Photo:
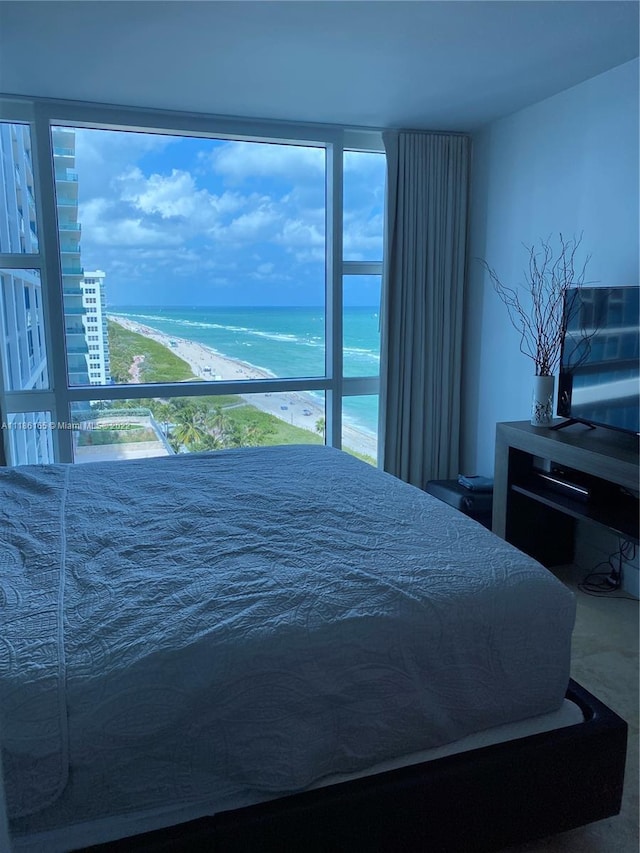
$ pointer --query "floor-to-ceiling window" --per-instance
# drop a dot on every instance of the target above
(363, 213)
(237, 290)
(24, 371)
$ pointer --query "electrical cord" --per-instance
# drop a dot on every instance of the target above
(607, 584)
(628, 549)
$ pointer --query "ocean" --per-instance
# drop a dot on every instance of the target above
(280, 340)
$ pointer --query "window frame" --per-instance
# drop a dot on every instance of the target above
(42, 115)
(354, 386)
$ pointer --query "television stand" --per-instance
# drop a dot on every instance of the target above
(539, 518)
(571, 422)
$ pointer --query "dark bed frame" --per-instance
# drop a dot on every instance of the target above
(481, 800)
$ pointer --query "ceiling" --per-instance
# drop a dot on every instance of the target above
(452, 65)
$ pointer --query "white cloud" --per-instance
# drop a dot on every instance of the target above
(256, 225)
(103, 227)
(269, 271)
(167, 195)
(180, 221)
(363, 236)
(228, 202)
(173, 256)
(296, 232)
(310, 256)
(237, 161)
(102, 155)
(103, 146)
(364, 202)
(176, 197)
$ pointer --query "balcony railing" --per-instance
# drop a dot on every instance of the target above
(72, 271)
(64, 152)
(67, 175)
(69, 226)
(66, 201)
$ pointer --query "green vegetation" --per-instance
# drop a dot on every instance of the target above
(198, 423)
(361, 456)
(162, 409)
(204, 424)
(272, 429)
(125, 434)
(201, 423)
(158, 364)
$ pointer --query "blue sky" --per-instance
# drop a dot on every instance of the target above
(192, 221)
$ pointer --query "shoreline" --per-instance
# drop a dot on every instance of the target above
(298, 408)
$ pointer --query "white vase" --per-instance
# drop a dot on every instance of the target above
(542, 403)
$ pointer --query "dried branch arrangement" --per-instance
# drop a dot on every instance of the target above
(539, 318)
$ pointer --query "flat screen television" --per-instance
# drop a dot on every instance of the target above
(599, 382)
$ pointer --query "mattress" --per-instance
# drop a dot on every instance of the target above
(232, 626)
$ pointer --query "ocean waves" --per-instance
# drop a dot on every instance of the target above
(284, 326)
(284, 342)
(180, 323)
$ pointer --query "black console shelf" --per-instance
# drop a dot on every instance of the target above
(540, 519)
(619, 518)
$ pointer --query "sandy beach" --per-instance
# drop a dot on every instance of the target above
(295, 407)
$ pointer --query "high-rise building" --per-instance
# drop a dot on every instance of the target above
(95, 324)
(23, 359)
(66, 178)
(18, 234)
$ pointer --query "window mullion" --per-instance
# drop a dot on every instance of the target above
(21, 262)
(362, 267)
(358, 385)
(334, 296)
(199, 389)
(52, 298)
(29, 401)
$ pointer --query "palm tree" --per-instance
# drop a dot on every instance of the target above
(190, 429)
(252, 435)
(321, 426)
(217, 421)
(198, 427)
(210, 442)
(164, 413)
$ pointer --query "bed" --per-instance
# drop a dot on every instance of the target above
(282, 648)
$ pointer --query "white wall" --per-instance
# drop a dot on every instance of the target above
(569, 164)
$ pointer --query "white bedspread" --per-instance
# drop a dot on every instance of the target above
(250, 620)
